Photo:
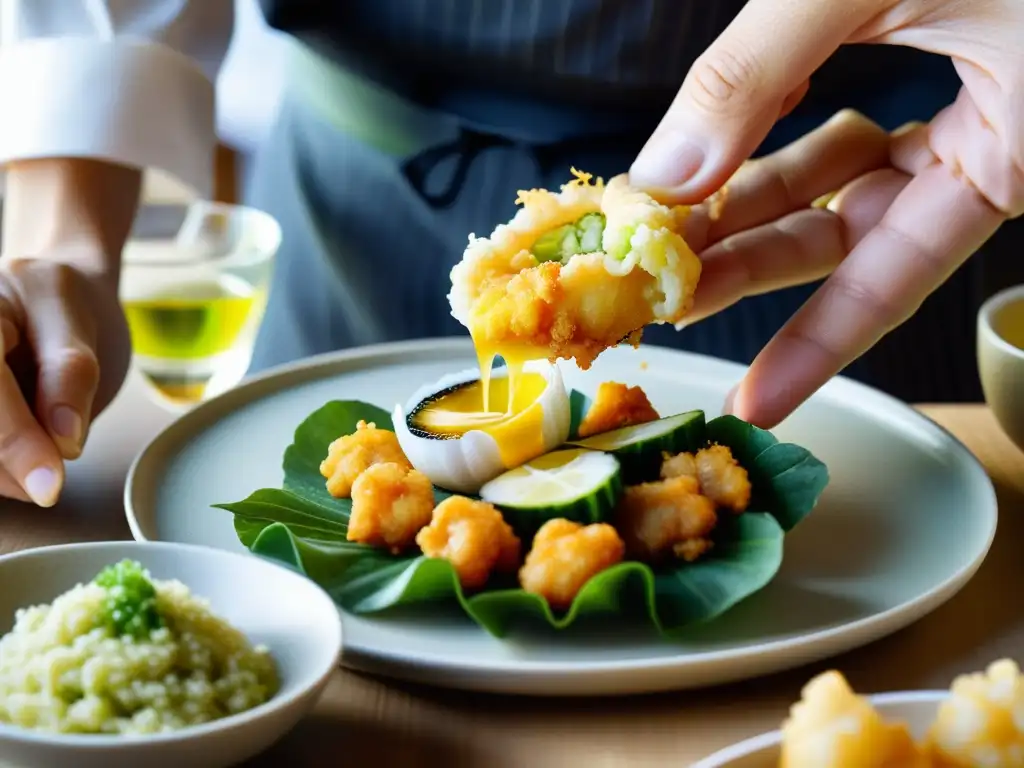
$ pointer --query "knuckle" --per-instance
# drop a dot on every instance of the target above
(74, 364)
(723, 78)
(876, 304)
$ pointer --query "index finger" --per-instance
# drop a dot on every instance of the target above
(932, 227)
(27, 453)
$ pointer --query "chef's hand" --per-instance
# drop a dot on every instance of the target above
(59, 326)
(910, 207)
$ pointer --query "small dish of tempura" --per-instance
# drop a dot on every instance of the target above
(979, 721)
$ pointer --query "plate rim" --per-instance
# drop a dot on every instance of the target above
(838, 638)
(747, 747)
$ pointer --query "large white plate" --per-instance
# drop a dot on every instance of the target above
(906, 521)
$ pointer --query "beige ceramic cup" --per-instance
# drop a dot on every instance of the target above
(1001, 359)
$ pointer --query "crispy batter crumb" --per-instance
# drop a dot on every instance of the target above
(663, 516)
(390, 504)
(565, 556)
(351, 455)
(692, 550)
(616, 406)
(473, 537)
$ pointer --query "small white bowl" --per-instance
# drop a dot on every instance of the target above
(915, 708)
(271, 604)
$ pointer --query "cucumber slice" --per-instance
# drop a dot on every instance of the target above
(574, 483)
(639, 448)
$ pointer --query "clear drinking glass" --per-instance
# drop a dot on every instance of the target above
(194, 284)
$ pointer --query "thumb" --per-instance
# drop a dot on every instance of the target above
(752, 74)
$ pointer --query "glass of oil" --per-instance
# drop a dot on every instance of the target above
(194, 283)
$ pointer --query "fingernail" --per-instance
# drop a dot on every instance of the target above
(42, 485)
(730, 400)
(67, 423)
(668, 160)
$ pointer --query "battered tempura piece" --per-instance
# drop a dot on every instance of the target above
(982, 721)
(390, 504)
(576, 272)
(473, 537)
(666, 516)
(351, 455)
(832, 727)
(564, 557)
(616, 406)
(721, 477)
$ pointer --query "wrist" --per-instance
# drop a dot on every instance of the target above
(73, 211)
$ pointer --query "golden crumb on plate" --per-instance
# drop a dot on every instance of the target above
(473, 537)
(832, 727)
(351, 455)
(666, 516)
(565, 555)
(390, 504)
(616, 406)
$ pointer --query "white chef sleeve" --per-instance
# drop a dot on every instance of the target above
(126, 81)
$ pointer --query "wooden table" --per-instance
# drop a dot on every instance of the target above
(363, 722)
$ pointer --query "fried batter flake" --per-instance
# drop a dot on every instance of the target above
(720, 476)
(664, 517)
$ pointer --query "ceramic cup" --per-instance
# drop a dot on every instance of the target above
(1001, 359)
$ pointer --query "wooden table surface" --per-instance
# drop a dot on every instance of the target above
(361, 721)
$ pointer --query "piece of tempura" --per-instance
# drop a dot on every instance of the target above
(720, 476)
(832, 727)
(565, 555)
(576, 272)
(666, 517)
(616, 406)
(982, 721)
(351, 455)
(390, 504)
(472, 536)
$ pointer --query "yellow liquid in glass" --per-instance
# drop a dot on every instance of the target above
(178, 333)
(1009, 324)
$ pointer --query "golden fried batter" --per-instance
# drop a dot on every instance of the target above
(832, 727)
(681, 465)
(473, 537)
(616, 406)
(350, 455)
(390, 504)
(720, 476)
(565, 556)
(666, 516)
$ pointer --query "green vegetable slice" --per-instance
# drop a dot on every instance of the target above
(639, 448)
(575, 484)
(303, 527)
(564, 242)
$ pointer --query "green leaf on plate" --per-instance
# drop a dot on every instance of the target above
(303, 527)
(579, 404)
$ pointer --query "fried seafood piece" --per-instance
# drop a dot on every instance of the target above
(832, 727)
(390, 504)
(351, 455)
(565, 555)
(982, 721)
(576, 272)
(616, 406)
(720, 476)
(666, 516)
(472, 536)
